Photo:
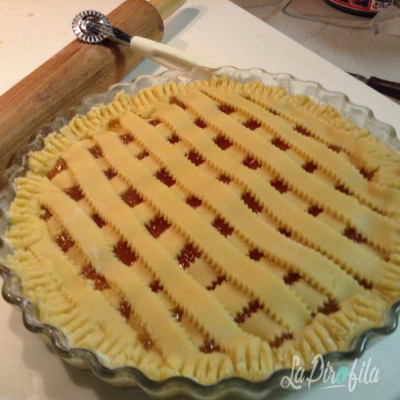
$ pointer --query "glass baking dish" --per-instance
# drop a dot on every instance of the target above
(130, 376)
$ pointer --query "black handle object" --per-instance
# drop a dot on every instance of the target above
(388, 88)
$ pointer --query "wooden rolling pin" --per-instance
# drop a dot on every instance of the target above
(76, 71)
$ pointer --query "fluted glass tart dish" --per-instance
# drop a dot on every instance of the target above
(190, 233)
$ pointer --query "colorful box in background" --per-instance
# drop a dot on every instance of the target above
(367, 8)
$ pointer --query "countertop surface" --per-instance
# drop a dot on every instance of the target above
(343, 39)
(28, 368)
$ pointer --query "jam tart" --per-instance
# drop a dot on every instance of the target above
(211, 230)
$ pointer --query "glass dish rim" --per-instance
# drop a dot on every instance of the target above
(131, 376)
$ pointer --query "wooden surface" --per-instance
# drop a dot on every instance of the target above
(78, 70)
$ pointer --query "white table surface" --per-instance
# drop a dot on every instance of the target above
(217, 30)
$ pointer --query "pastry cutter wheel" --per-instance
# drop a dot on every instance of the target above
(93, 27)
